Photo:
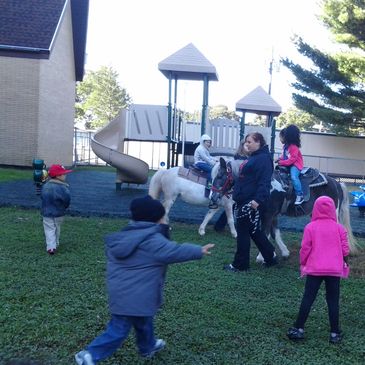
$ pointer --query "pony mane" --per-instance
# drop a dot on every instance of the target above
(235, 164)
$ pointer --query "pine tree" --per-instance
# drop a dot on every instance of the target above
(332, 90)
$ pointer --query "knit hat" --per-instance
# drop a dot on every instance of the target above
(57, 170)
(146, 209)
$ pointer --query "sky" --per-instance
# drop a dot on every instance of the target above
(239, 37)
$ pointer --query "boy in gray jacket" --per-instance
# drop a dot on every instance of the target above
(56, 199)
(137, 260)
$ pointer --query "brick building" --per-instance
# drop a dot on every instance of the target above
(42, 54)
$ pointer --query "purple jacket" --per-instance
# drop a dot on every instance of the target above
(324, 242)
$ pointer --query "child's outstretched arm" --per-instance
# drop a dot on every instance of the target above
(206, 248)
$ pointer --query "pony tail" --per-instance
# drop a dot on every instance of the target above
(155, 188)
(344, 218)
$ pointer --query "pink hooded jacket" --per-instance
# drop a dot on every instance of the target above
(295, 158)
(324, 242)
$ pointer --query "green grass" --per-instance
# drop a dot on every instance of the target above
(52, 306)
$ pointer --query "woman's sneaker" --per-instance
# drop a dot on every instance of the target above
(84, 358)
(295, 333)
(335, 337)
(159, 345)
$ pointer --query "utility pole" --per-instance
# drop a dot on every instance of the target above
(270, 69)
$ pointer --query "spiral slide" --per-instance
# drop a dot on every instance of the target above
(108, 143)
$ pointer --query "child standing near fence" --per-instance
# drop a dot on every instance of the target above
(323, 257)
(292, 158)
(56, 199)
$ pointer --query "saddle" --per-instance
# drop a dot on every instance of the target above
(309, 177)
(196, 175)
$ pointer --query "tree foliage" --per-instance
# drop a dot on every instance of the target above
(221, 111)
(304, 121)
(215, 112)
(332, 90)
(99, 98)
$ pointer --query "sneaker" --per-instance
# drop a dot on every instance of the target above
(159, 345)
(273, 262)
(335, 338)
(51, 251)
(299, 200)
(84, 358)
(295, 333)
(231, 268)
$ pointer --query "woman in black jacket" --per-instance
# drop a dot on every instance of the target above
(251, 192)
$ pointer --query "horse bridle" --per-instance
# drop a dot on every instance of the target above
(225, 188)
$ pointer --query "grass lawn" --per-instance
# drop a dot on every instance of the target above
(52, 306)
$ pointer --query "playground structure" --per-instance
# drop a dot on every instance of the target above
(142, 127)
(165, 124)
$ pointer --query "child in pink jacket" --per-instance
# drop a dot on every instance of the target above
(323, 257)
(292, 158)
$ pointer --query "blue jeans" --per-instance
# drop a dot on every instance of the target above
(294, 175)
(205, 167)
(117, 331)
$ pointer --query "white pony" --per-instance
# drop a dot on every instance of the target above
(172, 186)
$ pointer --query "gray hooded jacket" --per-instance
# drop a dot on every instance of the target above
(137, 259)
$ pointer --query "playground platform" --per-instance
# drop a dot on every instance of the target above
(93, 194)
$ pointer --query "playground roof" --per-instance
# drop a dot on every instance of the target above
(188, 64)
(29, 28)
(258, 101)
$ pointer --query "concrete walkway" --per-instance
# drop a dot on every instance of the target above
(93, 194)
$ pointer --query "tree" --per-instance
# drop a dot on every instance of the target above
(332, 90)
(221, 111)
(304, 121)
(99, 98)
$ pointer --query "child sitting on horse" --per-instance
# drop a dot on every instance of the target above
(202, 158)
(292, 158)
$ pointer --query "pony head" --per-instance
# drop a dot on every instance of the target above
(222, 180)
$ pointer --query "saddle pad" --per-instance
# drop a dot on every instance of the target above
(191, 175)
(310, 180)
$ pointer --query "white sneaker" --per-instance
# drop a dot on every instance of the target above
(299, 200)
(159, 345)
(84, 358)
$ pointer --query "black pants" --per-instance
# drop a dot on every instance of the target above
(245, 231)
(312, 286)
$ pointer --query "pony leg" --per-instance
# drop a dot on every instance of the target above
(230, 220)
(167, 205)
(282, 246)
(206, 220)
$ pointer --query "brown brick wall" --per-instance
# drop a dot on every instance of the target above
(37, 104)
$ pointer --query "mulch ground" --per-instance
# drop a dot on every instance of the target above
(93, 193)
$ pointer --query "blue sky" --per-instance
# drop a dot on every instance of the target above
(238, 37)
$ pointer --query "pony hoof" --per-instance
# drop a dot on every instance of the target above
(234, 235)
(201, 232)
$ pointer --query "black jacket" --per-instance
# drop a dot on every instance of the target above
(254, 181)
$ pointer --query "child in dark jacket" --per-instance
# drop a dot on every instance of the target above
(56, 199)
(137, 260)
(323, 257)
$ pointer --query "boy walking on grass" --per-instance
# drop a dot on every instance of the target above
(56, 199)
(137, 260)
